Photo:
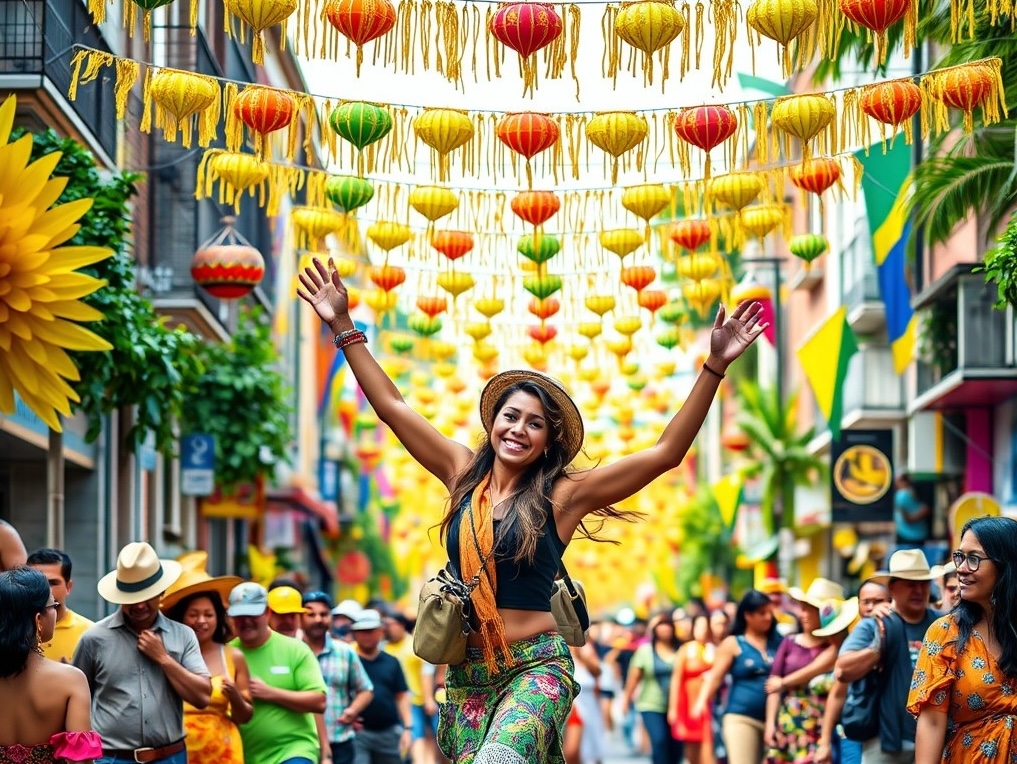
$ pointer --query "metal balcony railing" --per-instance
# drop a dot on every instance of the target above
(37, 39)
(871, 383)
(859, 281)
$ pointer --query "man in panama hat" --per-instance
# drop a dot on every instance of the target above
(140, 665)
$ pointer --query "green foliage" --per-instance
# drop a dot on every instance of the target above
(705, 544)
(150, 366)
(383, 567)
(1000, 265)
(241, 398)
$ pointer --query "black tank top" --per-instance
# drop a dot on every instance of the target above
(521, 585)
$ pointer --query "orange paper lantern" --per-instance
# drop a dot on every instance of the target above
(690, 233)
(387, 277)
(361, 21)
(535, 207)
(452, 244)
(528, 134)
(817, 175)
(893, 102)
(638, 276)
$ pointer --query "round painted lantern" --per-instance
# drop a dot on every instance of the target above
(621, 241)
(892, 103)
(361, 21)
(691, 233)
(227, 266)
(706, 127)
(360, 123)
(526, 27)
(807, 247)
(736, 189)
(259, 15)
(616, 132)
(535, 207)
(817, 175)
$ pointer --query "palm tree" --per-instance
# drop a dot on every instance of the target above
(964, 174)
(778, 454)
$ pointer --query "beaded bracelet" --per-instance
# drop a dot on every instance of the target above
(715, 373)
(350, 337)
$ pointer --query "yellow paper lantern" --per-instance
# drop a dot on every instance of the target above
(259, 15)
(313, 224)
(736, 189)
(444, 130)
(600, 303)
(761, 219)
(388, 235)
(783, 21)
(455, 282)
(178, 97)
(236, 173)
(697, 266)
(649, 25)
(700, 295)
(485, 352)
(443, 351)
(433, 202)
(489, 306)
(803, 117)
(647, 200)
(380, 301)
(628, 325)
(590, 329)
(620, 347)
(616, 132)
(478, 330)
(621, 241)
(535, 356)
(578, 352)
(345, 267)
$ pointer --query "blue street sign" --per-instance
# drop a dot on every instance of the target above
(197, 464)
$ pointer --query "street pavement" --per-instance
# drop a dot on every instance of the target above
(619, 753)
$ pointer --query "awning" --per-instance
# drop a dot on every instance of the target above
(968, 388)
(300, 500)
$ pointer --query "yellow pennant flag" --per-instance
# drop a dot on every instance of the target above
(727, 492)
(824, 358)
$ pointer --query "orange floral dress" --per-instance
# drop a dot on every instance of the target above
(212, 736)
(979, 699)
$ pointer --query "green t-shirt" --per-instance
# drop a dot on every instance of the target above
(274, 733)
(656, 681)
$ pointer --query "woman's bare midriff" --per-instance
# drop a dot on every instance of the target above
(520, 624)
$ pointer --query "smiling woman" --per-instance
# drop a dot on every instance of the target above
(964, 690)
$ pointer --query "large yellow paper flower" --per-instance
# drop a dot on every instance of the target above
(39, 291)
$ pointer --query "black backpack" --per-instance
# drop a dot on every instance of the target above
(860, 715)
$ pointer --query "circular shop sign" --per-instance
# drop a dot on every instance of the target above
(862, 474)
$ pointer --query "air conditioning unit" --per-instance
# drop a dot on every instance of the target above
(933, 446)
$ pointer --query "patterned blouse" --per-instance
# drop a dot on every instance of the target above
(981, 701)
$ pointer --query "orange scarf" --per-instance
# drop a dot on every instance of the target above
(476, 529)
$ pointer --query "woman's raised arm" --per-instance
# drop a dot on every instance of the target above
(441, 456)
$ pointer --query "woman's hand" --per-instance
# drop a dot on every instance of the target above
(770, 736)
(325, 292)
(774, 684)
(730, 337)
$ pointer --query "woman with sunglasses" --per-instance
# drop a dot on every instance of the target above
(964, 690)
(46, 705)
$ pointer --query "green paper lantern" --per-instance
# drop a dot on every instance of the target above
(539, 249)
(542, 287)
(669, 338)
(402, 344)
(360, 123)
(672, 313)
(348, 192)
(808, 246)
(424, 325)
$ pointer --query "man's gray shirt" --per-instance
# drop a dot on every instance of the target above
(133, 703)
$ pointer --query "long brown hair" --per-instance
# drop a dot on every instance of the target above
(532, 501)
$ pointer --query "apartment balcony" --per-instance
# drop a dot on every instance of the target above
(967, 348)
(874, 395)
(860, 284)
(36, 46)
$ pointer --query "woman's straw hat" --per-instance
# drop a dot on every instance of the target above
(819, 592)
(195, 578)
(571, 434)
(835, 616)
(140, 575)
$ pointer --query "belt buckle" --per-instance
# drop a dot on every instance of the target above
(142, 751)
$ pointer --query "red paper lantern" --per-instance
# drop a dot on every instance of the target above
(892, 103)
(354, 568)
(452, 244)
(706, 127)
(227, 266)
(361, 21)
(690, 233)
(526, 27)
(877, 15)
(638, 276)
(527, 133)
(543, 309)
(264, 110)
(543, 333)
(734, 439)
(535, 207)
(816, 175)
(432, 306)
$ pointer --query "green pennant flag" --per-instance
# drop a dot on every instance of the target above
(763, 85)
(824, 358)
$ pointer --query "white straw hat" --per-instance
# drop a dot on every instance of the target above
(140, 575)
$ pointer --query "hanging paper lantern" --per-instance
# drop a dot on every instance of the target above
(577, 352)
(691, 233)
(536, 357)
(424, 325)
(783, 21)
(431, 306)
(526, 28)
(485, 352)
(478, 330)
(965, 88)
(652, 300)
(807, 247)
(600, 303)
(527, 134)
(616, 132)
(621, 241)
(535, 207)
(647, 200)
(878, 16)
(542, 286)
(701, 295)
(402, 345)
(627, 325)
(736, 189)
(648, 26)
(444, 130)
(620, 347)
(386, 277)
(706, 127)
(452, 244)
(735, 439)
(590, 329)
(239, 173)
(816, 175)
(542, 333)
(489, 307)
(669, 338)
(381, 301)
(697, 266)
(893, 102)
(348, 192)
(543, 309)
(455, 282)
(673, 313)
(259, 15)
(803, 117)
(226, 265)
(315, 223)
(264, 110)
(638, 276)
(762, 218)
(179, 96)
(538, 249)
(433, 202)
(361, 21)
(387, 235)
(360, 123)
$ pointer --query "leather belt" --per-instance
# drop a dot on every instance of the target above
(146, 755)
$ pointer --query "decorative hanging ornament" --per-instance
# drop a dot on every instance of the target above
(388, 235)
(621, 241)
(226, 265)
(600, 303)
(803, 117)
(528, 134)
(542, 286)
(761, 219)
(263, 110)
(526, 28)
(424, 325)
(535, 207)
(543, 309)
(816, 176)
(542, 333)
(348, 192)
(966, 87)
(807, 247)
(259, 15)
(489, 307)
(361, 21)
(736, 189)
(617, 132)
(647, 200)
(648, 26)
(706, 127)
(362, 124)
(880, 15)
(433, 202)
(386, 277)
(893, 103)
(697, 266)
(652, 300)
(452, 244)
(178, 97)
(313, 224)
(638, 277)
(691, 233)
(538, 249)
(237, 173)
(444, 130)
(783, 21)
(455, 282)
